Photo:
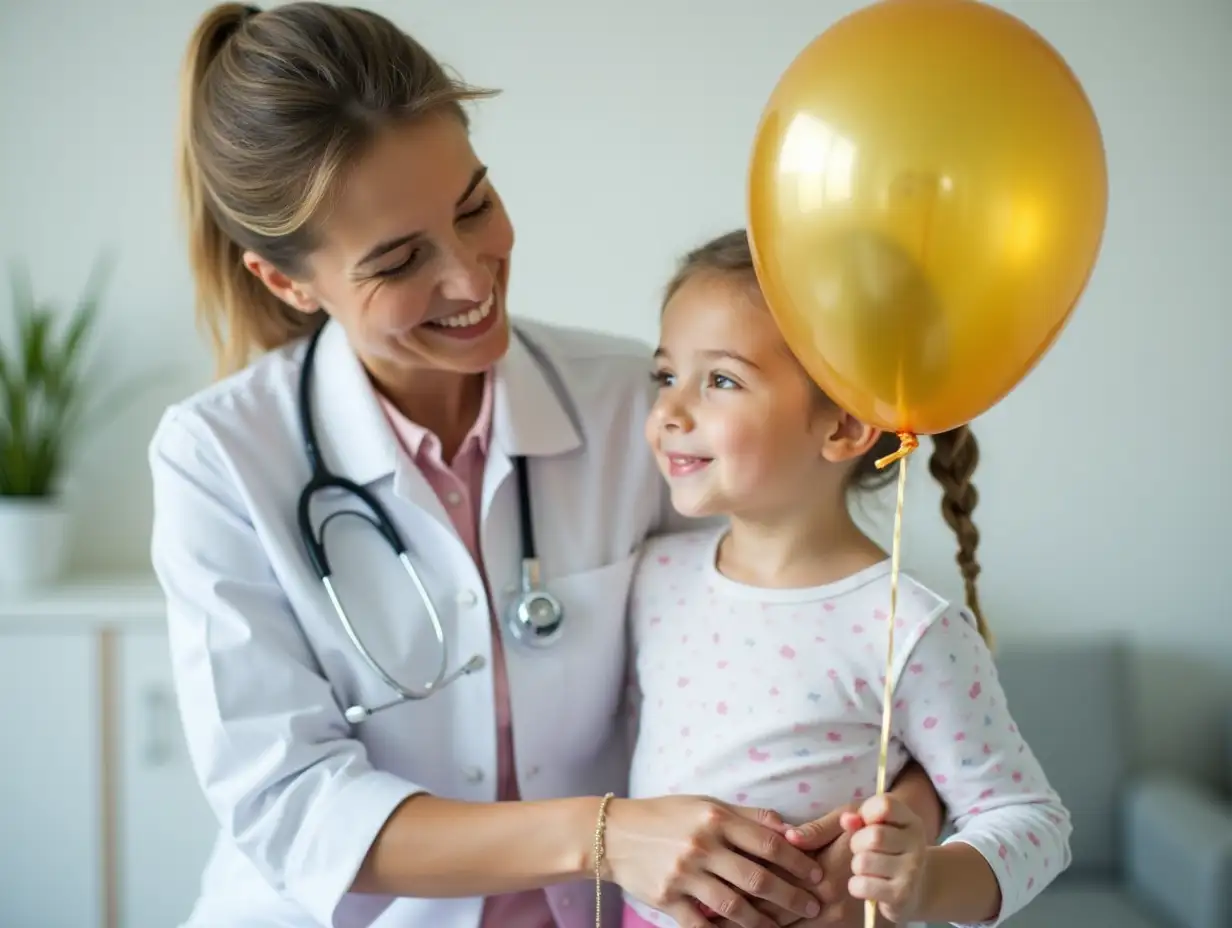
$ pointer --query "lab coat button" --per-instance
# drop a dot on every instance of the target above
(473, 774)
(467, 598)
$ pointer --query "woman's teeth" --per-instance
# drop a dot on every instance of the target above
(470, 317)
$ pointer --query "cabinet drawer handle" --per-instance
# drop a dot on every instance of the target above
(160, 721)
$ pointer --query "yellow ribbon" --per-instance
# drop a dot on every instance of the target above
(907, 444)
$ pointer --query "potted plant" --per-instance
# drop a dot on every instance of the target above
(46, 391)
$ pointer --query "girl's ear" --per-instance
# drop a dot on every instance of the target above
(848, 438)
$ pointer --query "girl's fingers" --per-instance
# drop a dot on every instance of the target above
(851, 821)
(882, 866)
(871, 889)
(881, 839)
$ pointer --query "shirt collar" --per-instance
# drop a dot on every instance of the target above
(418, 440)
(527, 408)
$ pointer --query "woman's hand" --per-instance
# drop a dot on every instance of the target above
(677, 852)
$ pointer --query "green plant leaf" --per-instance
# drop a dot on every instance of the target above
(48, 389)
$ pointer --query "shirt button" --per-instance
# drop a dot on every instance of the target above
(467, 598)
(473, 774)
(453, 497)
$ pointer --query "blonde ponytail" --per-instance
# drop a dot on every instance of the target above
(273, 106)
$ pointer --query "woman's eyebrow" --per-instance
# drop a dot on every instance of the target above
(385, 247)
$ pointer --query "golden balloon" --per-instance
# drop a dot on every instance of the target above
(927, 197)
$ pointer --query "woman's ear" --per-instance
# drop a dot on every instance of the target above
(848, 439)
(291, 292)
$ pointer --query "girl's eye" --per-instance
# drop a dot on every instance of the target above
(723, 382)
(663, 378)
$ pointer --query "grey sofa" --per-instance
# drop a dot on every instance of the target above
(1149, 852)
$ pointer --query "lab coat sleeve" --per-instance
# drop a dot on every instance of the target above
(269, 744)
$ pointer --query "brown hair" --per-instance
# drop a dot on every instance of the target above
(955, 453)
(275, 106)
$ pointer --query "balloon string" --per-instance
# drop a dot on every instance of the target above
(907, 444)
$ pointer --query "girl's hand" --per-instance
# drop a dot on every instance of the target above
(888, 856)
(675, 852)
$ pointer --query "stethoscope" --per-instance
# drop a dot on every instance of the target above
(533, 616)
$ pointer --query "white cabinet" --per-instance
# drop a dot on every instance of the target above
(102, 824)
(50, 828)
(164, 828)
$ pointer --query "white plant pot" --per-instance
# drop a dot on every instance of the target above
(33, 543)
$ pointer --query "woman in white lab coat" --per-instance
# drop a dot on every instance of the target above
(331, 188)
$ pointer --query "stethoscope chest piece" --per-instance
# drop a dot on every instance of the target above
(535, 618)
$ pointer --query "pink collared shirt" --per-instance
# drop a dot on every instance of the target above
(458, 485)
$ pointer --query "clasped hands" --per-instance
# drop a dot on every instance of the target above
(747, 868)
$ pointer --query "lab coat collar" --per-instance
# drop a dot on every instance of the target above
(530, 413)
(531, 416)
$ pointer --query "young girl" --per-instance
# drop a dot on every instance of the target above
(760, 646)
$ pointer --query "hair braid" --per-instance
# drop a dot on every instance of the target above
(952, 464)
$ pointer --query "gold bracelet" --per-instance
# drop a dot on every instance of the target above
(600, 848)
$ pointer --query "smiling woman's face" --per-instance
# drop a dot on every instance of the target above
(414, 252)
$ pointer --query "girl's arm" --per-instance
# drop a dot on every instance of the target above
(1012, 832)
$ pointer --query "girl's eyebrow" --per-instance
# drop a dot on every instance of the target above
(712, 354)
(721, 354)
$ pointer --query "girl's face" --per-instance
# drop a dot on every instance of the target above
(738, 427)
(414, 254)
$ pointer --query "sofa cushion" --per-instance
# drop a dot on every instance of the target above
(1077, 905)
(1069, 699)
(1227, 744)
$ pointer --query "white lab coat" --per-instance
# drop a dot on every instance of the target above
(264, 670)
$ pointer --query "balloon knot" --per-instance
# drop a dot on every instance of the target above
(907, 442)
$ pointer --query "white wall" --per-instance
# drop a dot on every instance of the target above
(622, 139)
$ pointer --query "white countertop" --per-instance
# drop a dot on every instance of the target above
(104, 601)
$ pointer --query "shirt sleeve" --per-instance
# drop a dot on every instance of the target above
(270, 746)
(950, 713)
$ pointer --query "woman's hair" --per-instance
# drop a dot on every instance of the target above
(955, 453)
(275, 106)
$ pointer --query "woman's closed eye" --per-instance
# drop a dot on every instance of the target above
(417, 254)
(484, 207)
(413, 260)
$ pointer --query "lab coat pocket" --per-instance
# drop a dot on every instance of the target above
(579, 680)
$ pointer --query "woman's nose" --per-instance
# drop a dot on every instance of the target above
(466, 277)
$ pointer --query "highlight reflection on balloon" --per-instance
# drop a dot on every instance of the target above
(927, 197)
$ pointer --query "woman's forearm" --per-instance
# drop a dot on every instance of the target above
(438, 848)
(916, 790)
(959, 887)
